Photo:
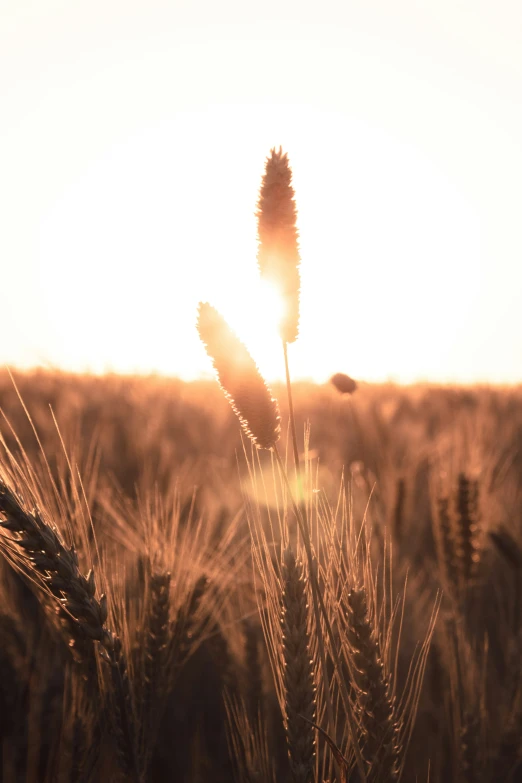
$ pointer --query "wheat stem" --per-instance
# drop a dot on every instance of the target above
(292, 425)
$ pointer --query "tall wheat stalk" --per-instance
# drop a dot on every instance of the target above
(278, 260)
(248, 394)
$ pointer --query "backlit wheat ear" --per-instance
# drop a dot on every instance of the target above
(240, 379)
(278, 254)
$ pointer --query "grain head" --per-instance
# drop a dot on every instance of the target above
(240, 379)
(278, 254)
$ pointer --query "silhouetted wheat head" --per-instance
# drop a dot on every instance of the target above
(458, 535)
(300, 692)
(38, 548)
(278, 253)
(377, 710)
(240, 379)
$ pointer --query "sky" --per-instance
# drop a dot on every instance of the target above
(133, 137)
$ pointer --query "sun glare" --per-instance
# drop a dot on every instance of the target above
(255, 317)
(272, 304)
(128, 280)
(128, 196)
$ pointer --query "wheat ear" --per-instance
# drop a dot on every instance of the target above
(56, 568)
(240, 379)
(157, 636)
(467, 552)
(185, 626)
(298, 679)
(445, 541)
(45, 557)
(278, 253)
(380, 744)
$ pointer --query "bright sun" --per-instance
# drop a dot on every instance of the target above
(255, 317)
(129, 249)
(272, 304)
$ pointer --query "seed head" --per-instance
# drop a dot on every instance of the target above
(240, 379)
(278, 253)
(298, 672)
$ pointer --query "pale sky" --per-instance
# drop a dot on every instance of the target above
(133, 137)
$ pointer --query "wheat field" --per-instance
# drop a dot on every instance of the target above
(158, 621)
(330, 591)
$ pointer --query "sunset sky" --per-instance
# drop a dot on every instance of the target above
(133, 139)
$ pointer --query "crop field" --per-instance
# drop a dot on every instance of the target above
(223, 559)
(178, 605)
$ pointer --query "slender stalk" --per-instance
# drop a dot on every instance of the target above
(292, 423)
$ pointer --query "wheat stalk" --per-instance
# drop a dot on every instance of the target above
(298, 679)
(380, 744)
(247, 739)
(157, 637)
(278, 260)
(254, 677)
